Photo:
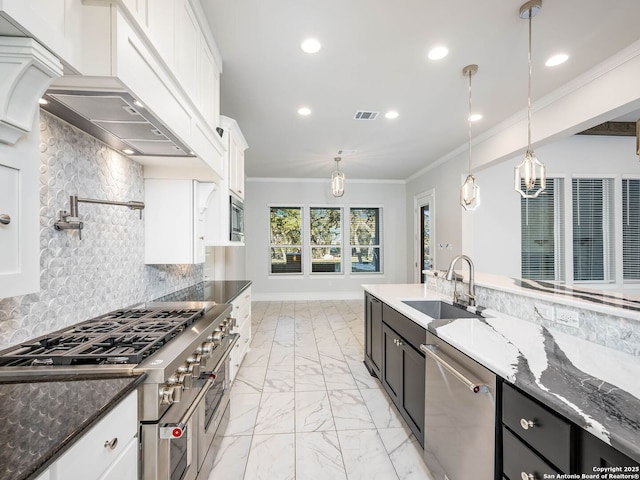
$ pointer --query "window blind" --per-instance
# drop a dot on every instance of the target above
(631, 228)
(542, 239)
(593, 249)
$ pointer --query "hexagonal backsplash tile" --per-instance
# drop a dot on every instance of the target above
(80, 279)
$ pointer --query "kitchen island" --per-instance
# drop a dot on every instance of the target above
(593, 386)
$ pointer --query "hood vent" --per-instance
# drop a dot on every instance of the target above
(117, 119)
(365, 115)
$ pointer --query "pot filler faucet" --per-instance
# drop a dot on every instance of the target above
(451, 275)
(69, 219)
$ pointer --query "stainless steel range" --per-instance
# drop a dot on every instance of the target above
(182, 347)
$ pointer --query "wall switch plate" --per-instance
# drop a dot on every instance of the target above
(544, 311)
(568, 317)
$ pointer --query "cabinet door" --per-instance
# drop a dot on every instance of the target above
(413, 389)
(373, 332)
(595, 453)
(391, 364)
(123, 467)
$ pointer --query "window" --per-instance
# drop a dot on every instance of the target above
(325, 228)
(286, 239)
(364, 239)
(631, 228)
(542, 235)
(593, 249)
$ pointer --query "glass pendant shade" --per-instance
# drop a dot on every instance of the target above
(530, 176)
(337, 181)
(470, 193)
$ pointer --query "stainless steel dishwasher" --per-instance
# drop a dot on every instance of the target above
(459, 421)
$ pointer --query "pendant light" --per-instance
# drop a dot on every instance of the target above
(530, 175)
(337, 180)
(470, 191)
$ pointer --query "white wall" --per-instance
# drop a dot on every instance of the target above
(496, 224)
(261, 193)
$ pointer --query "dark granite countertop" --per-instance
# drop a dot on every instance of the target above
(43, 417)
(220, 291)
(594, 386)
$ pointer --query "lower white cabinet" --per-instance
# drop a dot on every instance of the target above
(242, 313)
(175, 220)
(109, 450)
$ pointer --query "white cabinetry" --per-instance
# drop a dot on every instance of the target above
(242, 313)
(174, 220)
(19, 216)
(232, 183)
(108, 451)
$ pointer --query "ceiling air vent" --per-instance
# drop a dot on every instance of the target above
(364, 115)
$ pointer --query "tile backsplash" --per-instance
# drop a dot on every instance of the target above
(81, 279)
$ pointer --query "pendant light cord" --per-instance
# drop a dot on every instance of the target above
(469, 121)
(529, 88)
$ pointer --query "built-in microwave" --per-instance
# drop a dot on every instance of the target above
(236, 220)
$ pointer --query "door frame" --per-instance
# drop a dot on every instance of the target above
(420, 200)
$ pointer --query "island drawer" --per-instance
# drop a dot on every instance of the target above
(408, 329)
(519, 462)
(544, 431)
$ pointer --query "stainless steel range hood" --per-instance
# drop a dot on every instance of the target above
(117, 119)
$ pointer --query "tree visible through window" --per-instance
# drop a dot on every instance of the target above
(325, 227)
(365, 239)
(286, 239)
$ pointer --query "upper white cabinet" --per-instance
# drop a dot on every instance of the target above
(232, 183)
(20, 216)
(236, 145)
(175, 215)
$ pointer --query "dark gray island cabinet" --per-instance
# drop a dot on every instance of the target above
(392, 353)
(533, 439)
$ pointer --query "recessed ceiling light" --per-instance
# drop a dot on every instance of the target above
(311, 45)
(128, 151)
(391, 114)
(43, 101)
(438, 52)
(557, 60)
(474, 117)
(304, 111)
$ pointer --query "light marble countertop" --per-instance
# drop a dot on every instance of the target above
(596, 387)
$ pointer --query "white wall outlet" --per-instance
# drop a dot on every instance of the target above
(568, 317)
(544, 311)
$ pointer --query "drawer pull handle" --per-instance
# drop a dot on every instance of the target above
(527, 424)
(111, 444)
(5, 219)
(528, 476)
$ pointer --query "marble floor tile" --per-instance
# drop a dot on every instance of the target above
(271, 457)
(349, 410)
(243, 410)
(382, 410)
(318, 457)
(279, 379)
(405, 453)
(309, 377)
(231, 457)
(364, 455)
(249, 379)
(362, 376)
(257, 357)
(313, 412)
(282, 356)
(276, 413)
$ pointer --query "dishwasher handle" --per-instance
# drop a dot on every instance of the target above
(430, 350)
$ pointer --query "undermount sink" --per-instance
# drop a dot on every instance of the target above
(440, 310)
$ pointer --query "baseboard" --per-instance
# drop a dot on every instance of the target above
(297, 296)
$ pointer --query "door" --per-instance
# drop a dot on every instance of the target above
(424, 208)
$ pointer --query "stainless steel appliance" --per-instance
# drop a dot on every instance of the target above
(459, 426)
(236, 220)
(182, 347)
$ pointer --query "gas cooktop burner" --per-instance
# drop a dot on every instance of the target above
(120, 337)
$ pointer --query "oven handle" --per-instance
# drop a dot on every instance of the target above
(175, 430)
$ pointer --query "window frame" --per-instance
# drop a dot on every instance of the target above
(309, 246)
(379, 245)
(302, 239)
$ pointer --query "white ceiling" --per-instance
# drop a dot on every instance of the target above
(374, 57)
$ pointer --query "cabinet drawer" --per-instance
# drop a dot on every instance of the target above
(242, 300)
(89, 457)
(519, 460)
(550, 435)
(411, 331)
